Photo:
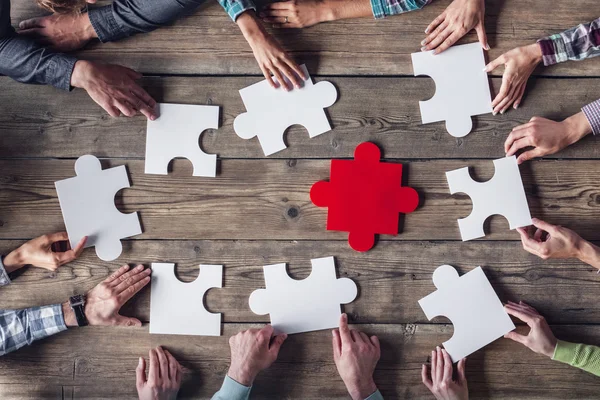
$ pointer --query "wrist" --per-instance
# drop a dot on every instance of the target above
(361, 390)
(329, 11)
(87, 30)
(250, 26)
(534, 51)
(13, 261)
(81, 72)
(241, 375)
(588, 253)
(69, 315)
(577, 127)
(549, 351)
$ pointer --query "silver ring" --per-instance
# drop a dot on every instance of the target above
(286, 20)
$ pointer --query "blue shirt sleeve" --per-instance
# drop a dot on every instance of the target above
(236, 7)
(375, 396)
(232, 390)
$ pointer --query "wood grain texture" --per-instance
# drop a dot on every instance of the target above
(208, 42)
(103, 367)
(391, 278)
(269, 199)
(48, 123)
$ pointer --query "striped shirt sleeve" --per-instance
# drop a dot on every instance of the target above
(592, 113)
(22, 327)
(577, 43)
(236, 7)
(384, 8)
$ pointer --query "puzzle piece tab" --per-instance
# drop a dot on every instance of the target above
(502, 195)
(461, 86)
(472, 306)
(364, 197)
(87, 202)
(271, 111)
(175, 133)
(304, 305)
(177, 308)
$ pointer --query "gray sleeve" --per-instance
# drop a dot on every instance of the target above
(26, 61)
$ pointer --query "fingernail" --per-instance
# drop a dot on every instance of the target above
(426, 30)
(516, 106)
(494, 113)
(423, 42)
(423, 49)
(502, 112)
(487, 47)
(437, 348)
(485, 68)
(140, 362)
(139, 267)
(333, 332)
(344, 317)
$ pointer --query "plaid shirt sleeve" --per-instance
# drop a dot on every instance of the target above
(384, 8)
(577, 43)
(4, 279)
(22, 327)
(592, 113)
(236, 7)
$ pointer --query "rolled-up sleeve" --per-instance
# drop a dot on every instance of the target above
(384, 8)
(4, 278)
(236, 7)
(26, 61)
(592, 113)
(577, 43)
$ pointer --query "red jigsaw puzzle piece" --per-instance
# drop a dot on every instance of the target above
(364, 197)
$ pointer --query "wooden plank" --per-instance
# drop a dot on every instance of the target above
(269, 199)
(48, 123)
(207, 42)
(105, 366)
(392, 277)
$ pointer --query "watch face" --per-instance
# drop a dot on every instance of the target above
(76, 300)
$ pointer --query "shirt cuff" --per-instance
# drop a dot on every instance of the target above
(378, 9)
(375, 396)
(592, 113)
(67, 65)
(238, 8)
(104, 23)
(565, 352)
(233, 390)
(4, 278)
(46, 321)
(554, 50)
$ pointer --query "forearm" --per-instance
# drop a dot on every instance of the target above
(343, 9)
(577, 43)
(585, 357)
(19, 328)
(123, 18)
(589, 253)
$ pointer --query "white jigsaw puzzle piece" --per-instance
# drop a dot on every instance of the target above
(87, 202)
(471, 304)
(271, 111)
(175, 133)
(177, 308)
(502, 195)
(461, 87)
(304, 305)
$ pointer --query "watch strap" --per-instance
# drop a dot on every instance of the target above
(77, 304)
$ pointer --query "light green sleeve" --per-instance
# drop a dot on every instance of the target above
(232, 390)
(583, 356)
(375, 396)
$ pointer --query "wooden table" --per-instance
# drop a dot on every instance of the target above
(257, 211)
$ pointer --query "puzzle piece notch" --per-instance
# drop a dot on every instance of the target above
(504, 195)
(177, 307)
(373, 209)
(306, 305)
(471, 304)
(175, 133)
(462, 87)
(87, 202)
(270, 111)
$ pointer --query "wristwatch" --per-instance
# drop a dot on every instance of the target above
(77, 304)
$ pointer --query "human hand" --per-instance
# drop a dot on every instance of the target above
(103, 302)
(441, 384)
(113, 87)
(44, 252)
(455, 22)
(62, 32)
(251, 352)
(540, 338)
(164, 376)
(271, 57)
(355, 355)
(296, 13)
(519, 64)
(546, 136)
(550, 241)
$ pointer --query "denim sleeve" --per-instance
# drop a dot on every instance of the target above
(125, 18)
(26, 61)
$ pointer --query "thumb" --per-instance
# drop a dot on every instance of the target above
(517, 337)
(127, 321)
(133, 74)
(277, 342)
(482, 36)
(140, 373)
(462, 375)
(538, 223)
